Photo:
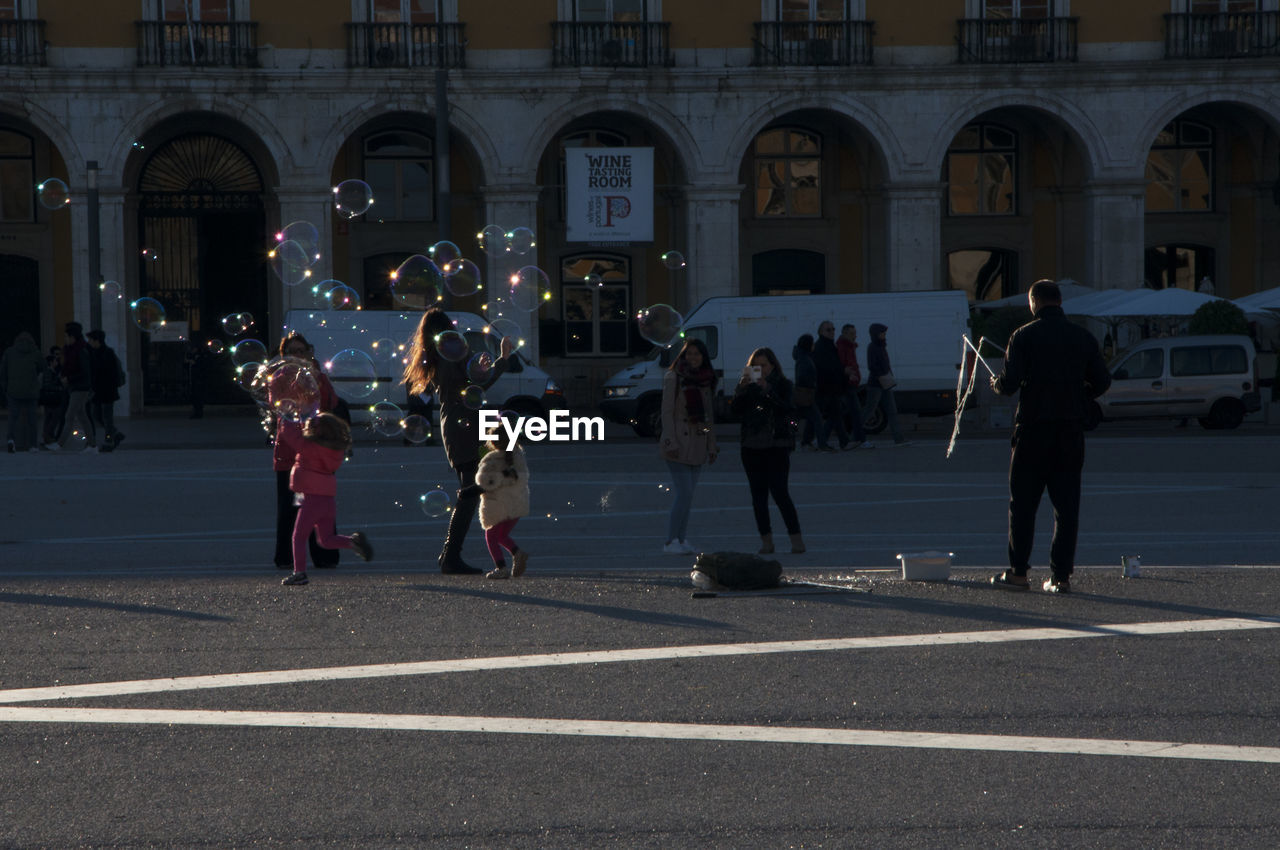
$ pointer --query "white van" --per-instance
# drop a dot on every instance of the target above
(523, 388)
(1213, 378)
(924, 348)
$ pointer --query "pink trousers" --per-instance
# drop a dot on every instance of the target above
(499, 538)
(316, 512)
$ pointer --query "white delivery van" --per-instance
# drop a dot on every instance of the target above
(523, 388)
(1212, 377)
(925, 330)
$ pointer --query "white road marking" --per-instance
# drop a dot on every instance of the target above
(662, 731)
(613, 656)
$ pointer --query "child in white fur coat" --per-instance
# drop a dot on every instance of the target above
(502, 483)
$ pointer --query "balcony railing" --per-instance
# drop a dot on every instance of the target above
(1221, 35)
(813, 42)
(1004, 40)
(611, 45)
(209, 44)
(406, 45)
(21, 42)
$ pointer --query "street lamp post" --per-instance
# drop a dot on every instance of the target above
(95, 260)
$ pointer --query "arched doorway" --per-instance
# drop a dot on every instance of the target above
(201, 228)
(20, 293)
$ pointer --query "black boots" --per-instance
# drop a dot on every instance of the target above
(451, 562)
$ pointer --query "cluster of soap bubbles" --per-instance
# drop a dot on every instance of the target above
(497, 241)
(296, 250)
(286, 386)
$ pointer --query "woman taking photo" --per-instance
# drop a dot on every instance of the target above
(688, 434)
(446, 379)
(763, 403)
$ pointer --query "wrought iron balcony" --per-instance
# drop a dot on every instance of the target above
(22, 43)
(1005, 40)
(814, 42)
(406, 45)
(227, 44)
(1223, 35)
(611, 45)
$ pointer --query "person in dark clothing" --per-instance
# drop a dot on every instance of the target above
(78, 381)
(763, 404)
(53, 397)
(1059, 369)
(198, 360)
(880, 382)
(806, 389)
(847, 346)
(832, 387)
(105, 379)
(426, 368)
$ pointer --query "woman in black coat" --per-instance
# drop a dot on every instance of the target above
(106, 376)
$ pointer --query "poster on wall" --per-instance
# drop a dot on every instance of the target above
(609, 194)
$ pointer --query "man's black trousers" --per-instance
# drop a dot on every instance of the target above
(1046, 456)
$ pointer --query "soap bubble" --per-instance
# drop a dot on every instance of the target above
(215, 347)
(384, 351)
(435, 504)
(462, 278)
(452, 346)
(493, 240)
(660, 324)
(529, 289)
(444, 253)
(416, 427)
(290, 262)
(248, 351)
(673, 260)
(506, 328)
(234, 324)
(520, 241)
(53, 193)
(110, 290)
(416, 284)
(593, 279)
(352, 370)
(480, 367)
(352, 198)
(290, 387)
(148, 314)
(342, 297)
(473, 397)
(385, 419)
(247, 378)
(307, 237)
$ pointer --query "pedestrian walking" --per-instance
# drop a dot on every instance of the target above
(880, 383)
(77, 378)
(832, 386)
(53, 397)
(106, 376)
(763, 404)
(447, 378)
(295, 346)
(847, 347)
(21, 369)
(318, 449)
(1058, 368)
(502, 484)
(688, 439)
(805, 393)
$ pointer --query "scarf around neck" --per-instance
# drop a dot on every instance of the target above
(693, 382)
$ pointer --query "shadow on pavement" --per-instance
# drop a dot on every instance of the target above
(77, 602)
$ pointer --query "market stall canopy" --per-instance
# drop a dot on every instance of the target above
(1267, 299)
(1069, 288)
(1098, 299)
(1137, 303)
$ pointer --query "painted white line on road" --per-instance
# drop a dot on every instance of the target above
(658, 731)
(613, 656)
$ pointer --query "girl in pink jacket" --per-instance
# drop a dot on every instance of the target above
(318, 452)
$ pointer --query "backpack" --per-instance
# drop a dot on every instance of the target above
(739, 571)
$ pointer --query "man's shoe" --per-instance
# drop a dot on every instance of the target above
(53, 447)
(117, 439)
(294, 578)
(363, 548)
(1057, 585)
(848, 447)
(498, 572)
(1009, 581)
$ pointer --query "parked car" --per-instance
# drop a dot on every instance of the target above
(1213, 378)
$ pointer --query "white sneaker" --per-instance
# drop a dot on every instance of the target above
(686, 548)
(53, 447)
(675, 547)
(499, 572)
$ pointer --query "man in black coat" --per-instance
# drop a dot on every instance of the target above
(1059, 370)
(832, 386)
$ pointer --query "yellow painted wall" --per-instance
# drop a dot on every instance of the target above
(301, 24)
(1120, 20)
(1044, 213)
(711, 24)
(918, 22)
(103, 23)
(1244, 240)
(63, 272)
(504, 25)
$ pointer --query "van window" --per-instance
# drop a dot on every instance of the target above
(1208, 360)
(710, 336)
(1142, 364)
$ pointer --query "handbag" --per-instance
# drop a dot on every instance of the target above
(887, 381)
(803, 396)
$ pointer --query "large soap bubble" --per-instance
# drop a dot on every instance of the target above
(673, 260)
(307, 237)
(385, 419)
(660, 324)
(248, 351)
(520, 241)
(417, 283)
(289, 262)
(444, 253)
(352, 198)
(53, 193)
(463, 278)
(436, 503)
(529, 289)
(416, 427)
(493, 240)
(148, 314)
(452, 346)
(289, 387)
(353, 371)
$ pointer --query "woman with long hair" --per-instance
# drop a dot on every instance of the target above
(688, 434)
(763, 403)
(426, 369)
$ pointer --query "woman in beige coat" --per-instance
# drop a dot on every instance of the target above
(688, 435)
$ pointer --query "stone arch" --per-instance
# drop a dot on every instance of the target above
(1261, 107)
(39, 119)
(1078, 125)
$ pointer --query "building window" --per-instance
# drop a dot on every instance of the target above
(1180, 266)
(17, 177)
(1003, 10)
(398, 166)
(594, 138)
(1180, 169)
(984, 274)
(606, 11)
(595, 292)
(982, 171)
(800, 11)
(205, 11)
(788, 173)
(404, 11)
(1210, 7)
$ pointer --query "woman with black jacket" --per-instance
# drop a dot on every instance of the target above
(763, 404)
